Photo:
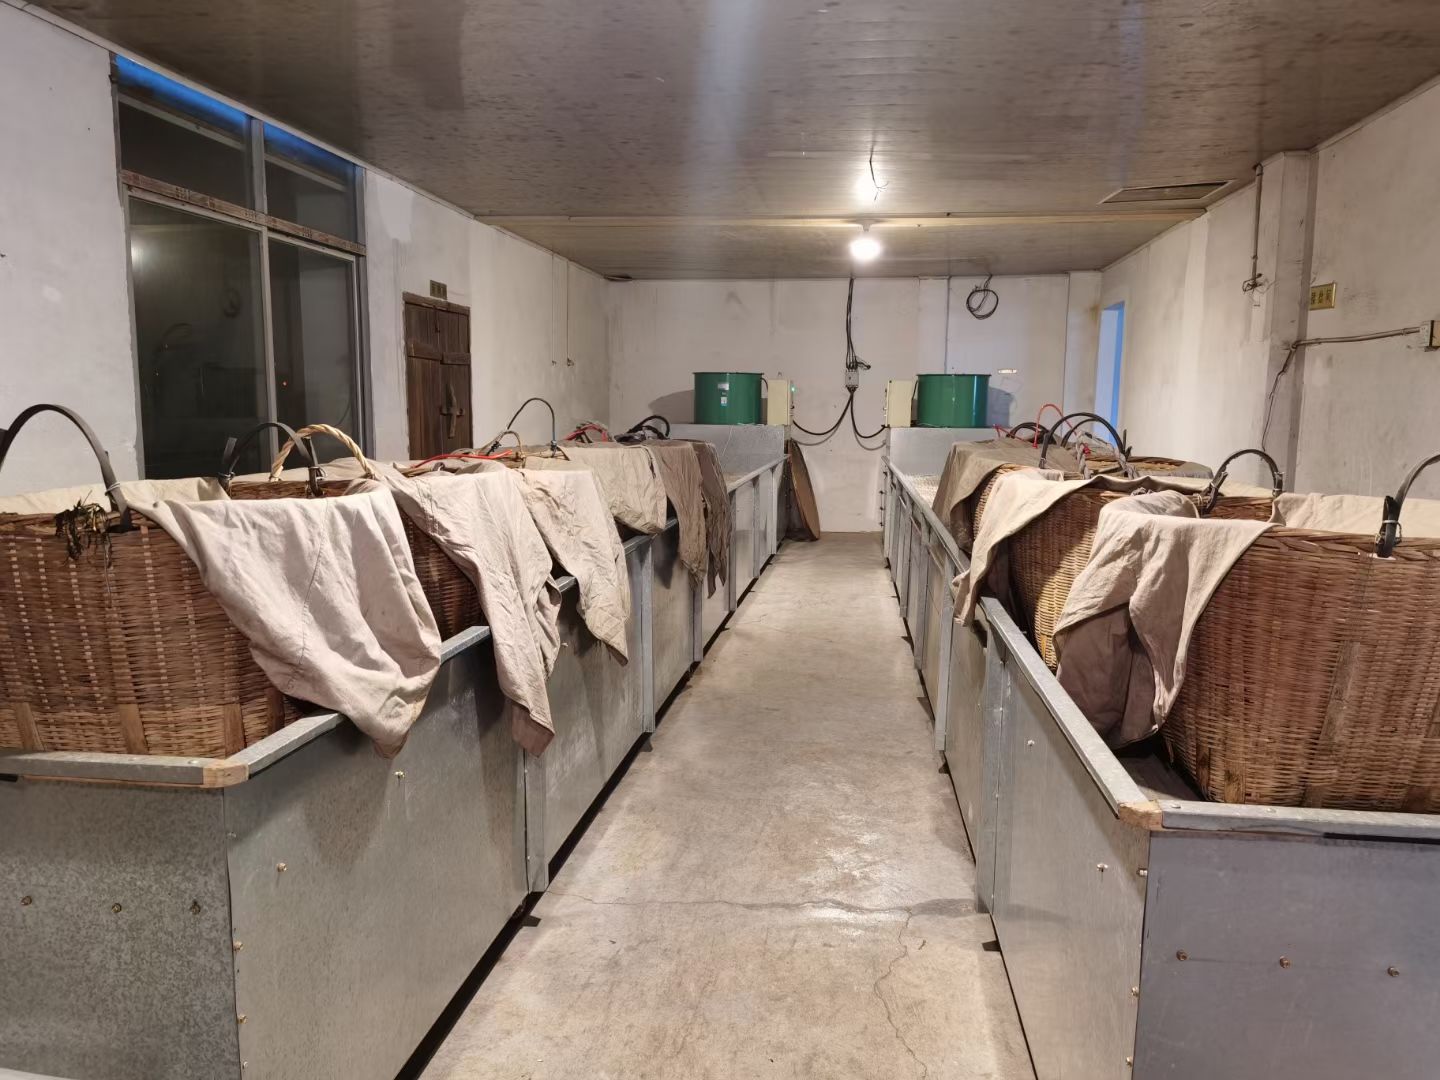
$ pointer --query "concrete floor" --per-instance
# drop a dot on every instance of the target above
(781, 889)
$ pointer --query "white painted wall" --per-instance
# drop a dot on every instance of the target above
(1199, 350)
(1201, 356)
(661, 332)
(65, 332)
(538, 322)
(1370, 411)
(1191, 378)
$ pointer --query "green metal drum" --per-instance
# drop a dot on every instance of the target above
(727, 397)
(952, 401)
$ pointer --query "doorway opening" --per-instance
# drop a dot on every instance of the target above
(1107, 364)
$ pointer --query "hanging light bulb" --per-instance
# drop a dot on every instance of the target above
(865, 248)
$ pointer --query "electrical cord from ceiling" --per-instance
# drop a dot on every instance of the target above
(1295, 348)
(1256, 279)
(977, 304)
(853, 365)
(879, 187)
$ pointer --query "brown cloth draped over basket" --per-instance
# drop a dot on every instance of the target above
(716, 495)
(1291, 662)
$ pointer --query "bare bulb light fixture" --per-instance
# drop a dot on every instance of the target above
(865, 248)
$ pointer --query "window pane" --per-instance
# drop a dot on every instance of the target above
(312, 311)
(199, 336)
(308, 185)
(172, 133)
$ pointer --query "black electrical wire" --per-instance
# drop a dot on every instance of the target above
(849, 405)
(554, 432)
(855, 424)
(975, 302)
(852, 363)
(644, 423)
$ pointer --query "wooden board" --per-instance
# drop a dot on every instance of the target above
(804, 493)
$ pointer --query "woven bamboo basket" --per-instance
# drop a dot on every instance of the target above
(452, 596)
(1048, 554)
(1313, 677)
(974, 506)
(110, 642)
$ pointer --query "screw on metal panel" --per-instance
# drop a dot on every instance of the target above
(1143, 872)
(280, 867)
(1181, 954)
(237, 945)
(1102, 867)
(1134, 991)
(240, 1019)
(399, 774)
(116, 908)
(1393, 972)
(1284, 961)
(1029, 742)
(1129, 1061)
(195, 908)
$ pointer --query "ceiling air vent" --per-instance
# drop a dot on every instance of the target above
(1165, 193)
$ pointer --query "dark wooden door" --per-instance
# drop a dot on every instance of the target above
(437, 376)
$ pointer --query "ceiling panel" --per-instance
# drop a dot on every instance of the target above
(751, 108)
(719, 249)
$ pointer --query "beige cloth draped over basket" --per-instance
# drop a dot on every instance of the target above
(452, 596)
(970, 472)
(484, 560)
(1037, 536)
(109, 640)
(1294, 662)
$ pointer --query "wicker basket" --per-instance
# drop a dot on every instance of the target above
(974, 506)
(119, 648)
(1048, 554)
(452, 596)
(1313, 677)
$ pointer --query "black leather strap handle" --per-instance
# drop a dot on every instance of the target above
(1212, 493)
(1390, 534)
(107, 473)
(1028, 425)
(235, 447)
(1045, 443)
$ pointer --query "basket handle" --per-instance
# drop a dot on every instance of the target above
(1049, 438)
(1389, 538)
(1211, 494)
(1029, 425)
(278, 466)
(235, 447)
(107, 473)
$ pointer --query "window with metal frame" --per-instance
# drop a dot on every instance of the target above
(246, 267)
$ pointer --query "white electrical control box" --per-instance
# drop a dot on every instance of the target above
(777, 403)
(900, 403)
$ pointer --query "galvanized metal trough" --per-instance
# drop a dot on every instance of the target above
(307, 908)
(1148, 933)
